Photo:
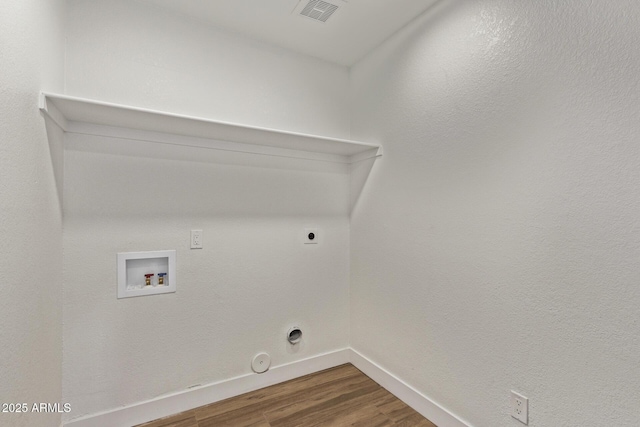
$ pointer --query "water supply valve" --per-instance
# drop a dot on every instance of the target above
(161, 278)
(147, 280)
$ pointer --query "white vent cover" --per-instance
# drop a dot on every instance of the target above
(318, 10)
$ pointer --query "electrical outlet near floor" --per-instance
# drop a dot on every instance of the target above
(520, 407)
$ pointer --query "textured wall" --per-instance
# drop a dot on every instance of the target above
(127, 52)
(254, 278)
(31, 59)
(496, 245)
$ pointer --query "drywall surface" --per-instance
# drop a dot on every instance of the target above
(254, 278)
(496, 244)
(129, 52)
(236, 297)
(31, 59)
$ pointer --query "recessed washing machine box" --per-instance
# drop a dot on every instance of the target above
(146, 273)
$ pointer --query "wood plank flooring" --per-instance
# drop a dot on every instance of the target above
(340, 396)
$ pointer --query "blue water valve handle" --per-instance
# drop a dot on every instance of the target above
(161, 278)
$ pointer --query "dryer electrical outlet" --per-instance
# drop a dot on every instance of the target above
(311, 236)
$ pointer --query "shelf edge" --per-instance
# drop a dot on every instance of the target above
(47, 104)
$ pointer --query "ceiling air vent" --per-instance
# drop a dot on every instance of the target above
(318, 10)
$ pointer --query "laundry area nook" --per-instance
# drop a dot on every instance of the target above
(319, 213)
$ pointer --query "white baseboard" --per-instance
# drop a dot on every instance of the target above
(210, 393)
(418, 401)
(188, 399)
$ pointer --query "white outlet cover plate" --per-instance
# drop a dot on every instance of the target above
(196, 239)
(307, 232)
(520, 407)
(261, 363)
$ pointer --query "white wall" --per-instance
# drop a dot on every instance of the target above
(496, 244)
(254, 278)
(31, 59)
(128, 52)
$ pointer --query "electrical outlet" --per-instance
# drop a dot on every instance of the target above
(311, 236)
(196, 239)
(520, 407)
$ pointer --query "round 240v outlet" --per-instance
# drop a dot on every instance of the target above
(261, 363)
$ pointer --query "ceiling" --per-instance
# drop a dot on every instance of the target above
(354, 29)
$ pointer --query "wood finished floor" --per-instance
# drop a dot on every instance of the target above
(340, 396)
